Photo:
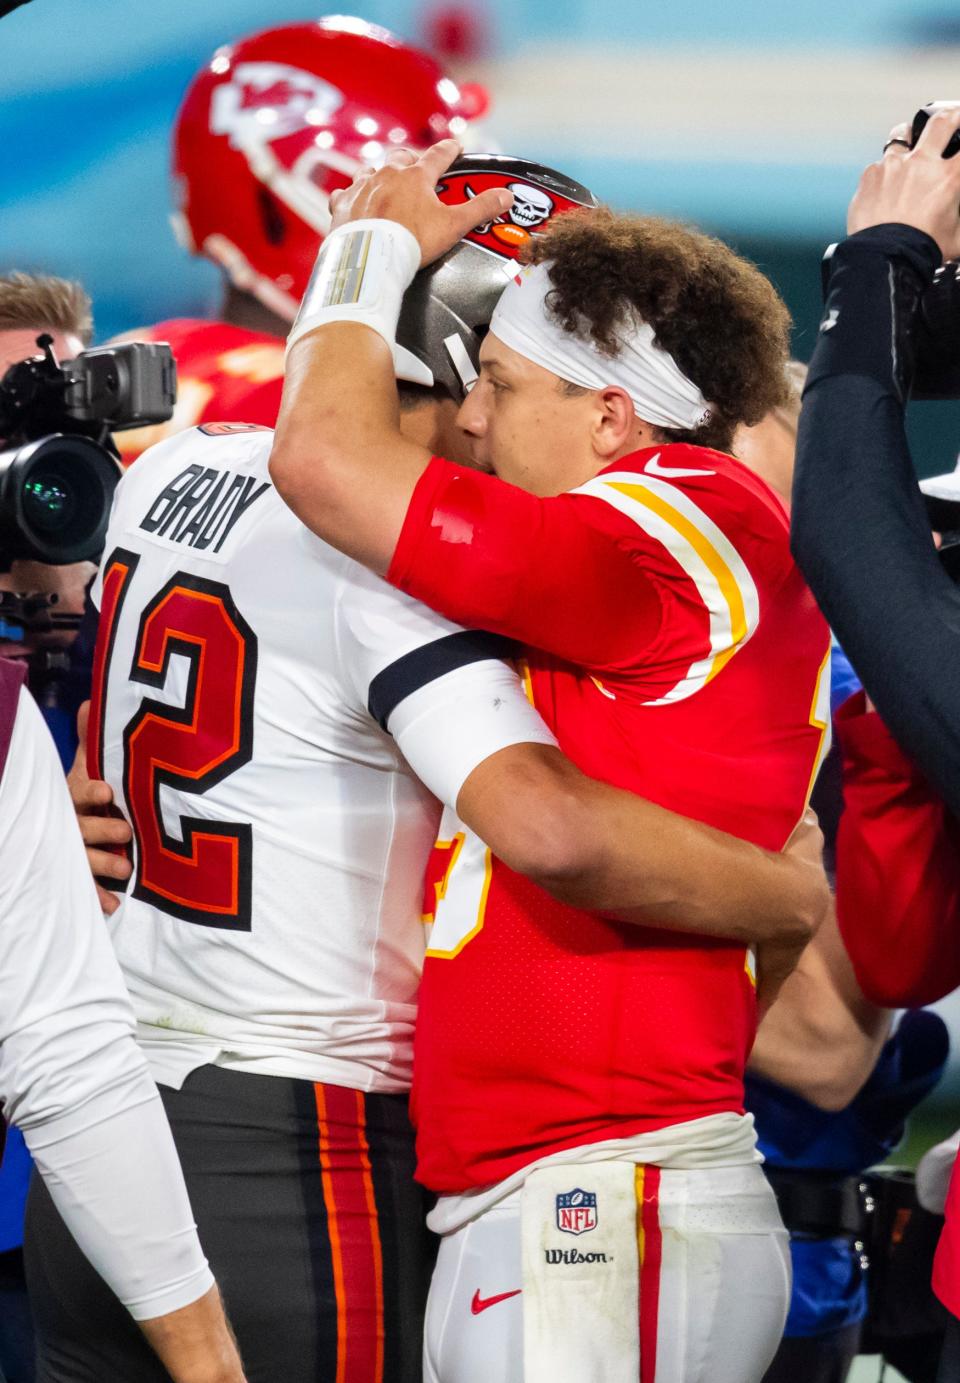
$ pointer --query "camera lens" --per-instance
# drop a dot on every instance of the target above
(55, 495)
(49, 502)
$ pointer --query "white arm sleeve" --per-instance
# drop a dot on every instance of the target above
(445, 693)
(448, 727)
(71, 1075)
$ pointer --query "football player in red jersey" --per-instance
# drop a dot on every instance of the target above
(271, 126)
(211, 1018)
(578, 1086)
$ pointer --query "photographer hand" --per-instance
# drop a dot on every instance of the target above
(101, 832)
(914, 187)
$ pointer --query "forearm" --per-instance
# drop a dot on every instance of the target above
(648, 866)
(599, 848)
(860, 530)
(821, 1037)
(66, 1023)
(112, 1171)
(71, 1075)
(195, 1343)
(826, 1062)
(338, 454)
(339, 396)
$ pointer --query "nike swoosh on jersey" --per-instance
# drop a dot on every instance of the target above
(653, 467)
(480, 1303)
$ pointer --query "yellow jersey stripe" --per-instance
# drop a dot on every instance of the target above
(704, 552)
(820, 720)
(712, 560)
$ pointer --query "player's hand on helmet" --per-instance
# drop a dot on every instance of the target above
(103, 834)
(404, 190)
(914, 187)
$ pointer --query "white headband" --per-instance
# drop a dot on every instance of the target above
(661, 393)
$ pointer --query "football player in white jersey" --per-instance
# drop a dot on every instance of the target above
(257, 700)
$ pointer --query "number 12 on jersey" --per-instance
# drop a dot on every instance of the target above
(204, 876)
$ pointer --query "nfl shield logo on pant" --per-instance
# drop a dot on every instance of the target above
(576, 1211)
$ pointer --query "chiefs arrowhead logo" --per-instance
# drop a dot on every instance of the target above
(282, 93)
(264, 101)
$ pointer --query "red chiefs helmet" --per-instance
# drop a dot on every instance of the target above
(276, 122)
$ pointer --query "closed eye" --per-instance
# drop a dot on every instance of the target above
(487, 378)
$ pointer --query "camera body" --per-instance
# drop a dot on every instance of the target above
(937, 330)
(924, 114)
(937, 337)
(59, 466)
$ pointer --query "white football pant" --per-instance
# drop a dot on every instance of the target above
(613, 1273)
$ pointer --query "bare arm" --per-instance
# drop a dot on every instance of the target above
(597, 847)
(339, 459)
(590, 845)
(195, 1344)
(821, 1037)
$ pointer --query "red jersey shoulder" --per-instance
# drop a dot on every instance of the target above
(701, 505)
(224, 374)
(717, 480)
(219, 347)
(707, 463)
(205, 349)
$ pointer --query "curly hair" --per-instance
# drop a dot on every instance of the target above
(717, 315)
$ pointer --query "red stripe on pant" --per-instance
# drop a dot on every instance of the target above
(354, 1233)
(651, 1255)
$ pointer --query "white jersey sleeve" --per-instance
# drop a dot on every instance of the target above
(446, 694)
(71, 1075)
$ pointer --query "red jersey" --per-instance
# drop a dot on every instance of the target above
(898, 869)
(674, 650)
(898, 900)
(225, 374)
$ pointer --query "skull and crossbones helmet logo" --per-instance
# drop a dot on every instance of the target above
(532, 207)
(447, 309)
(539, 196)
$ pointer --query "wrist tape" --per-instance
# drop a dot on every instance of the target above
(361, 274)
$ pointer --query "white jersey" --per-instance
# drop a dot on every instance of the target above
(251, 689)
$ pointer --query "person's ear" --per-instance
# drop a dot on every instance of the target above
(615, 425)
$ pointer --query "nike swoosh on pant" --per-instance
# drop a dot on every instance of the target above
(480, 1303)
